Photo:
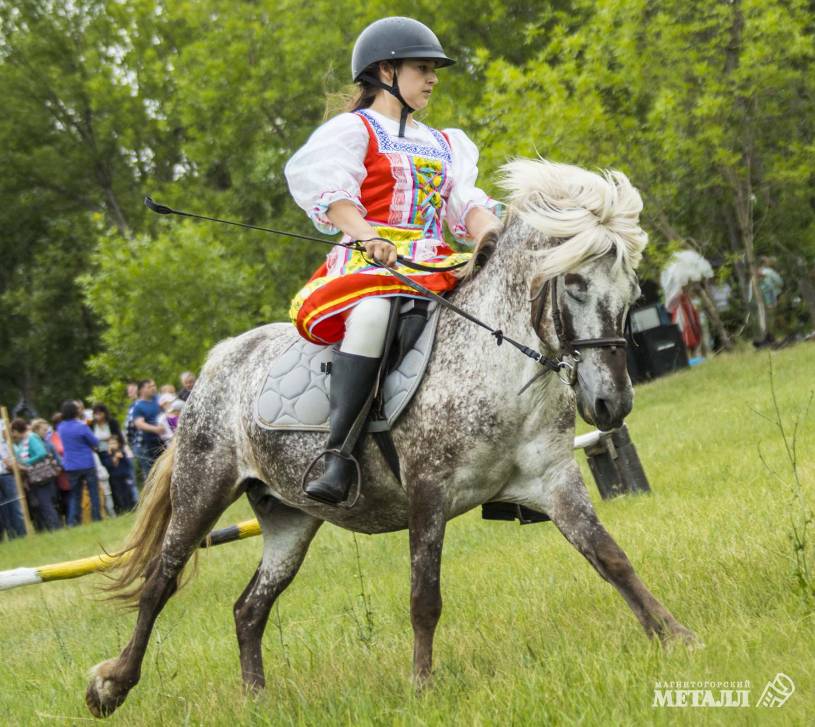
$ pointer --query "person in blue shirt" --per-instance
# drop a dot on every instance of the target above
(30, 450)
(78, 445)
(146, 411)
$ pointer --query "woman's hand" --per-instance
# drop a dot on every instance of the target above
(481, 222)
(346, 216)
(381, 250)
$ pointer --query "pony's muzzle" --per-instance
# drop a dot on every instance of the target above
(610, 410)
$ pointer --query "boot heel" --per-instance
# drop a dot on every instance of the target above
(322, 491)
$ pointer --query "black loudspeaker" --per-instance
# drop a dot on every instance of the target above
(656, 352)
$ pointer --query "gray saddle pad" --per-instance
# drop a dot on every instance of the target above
(294, 396)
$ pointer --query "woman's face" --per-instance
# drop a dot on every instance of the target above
(416, 81)
(99, 417)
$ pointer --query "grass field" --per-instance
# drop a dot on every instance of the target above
(529, 633)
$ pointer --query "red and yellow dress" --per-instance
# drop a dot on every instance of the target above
(406, 188)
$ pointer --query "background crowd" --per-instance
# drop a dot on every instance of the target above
(86, 449)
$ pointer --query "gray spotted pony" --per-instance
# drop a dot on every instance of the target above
(563, 271)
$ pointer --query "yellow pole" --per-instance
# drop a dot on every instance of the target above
(18, 480)
(77, 568)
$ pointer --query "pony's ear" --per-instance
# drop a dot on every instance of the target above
(538, 295)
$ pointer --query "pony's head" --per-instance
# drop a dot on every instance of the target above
(585, 238)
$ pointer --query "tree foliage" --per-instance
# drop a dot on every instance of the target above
(708, 106)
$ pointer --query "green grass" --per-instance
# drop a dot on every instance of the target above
(529, 633)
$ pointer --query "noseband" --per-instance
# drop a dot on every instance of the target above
(569, 348)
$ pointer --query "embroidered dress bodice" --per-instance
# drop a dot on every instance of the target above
(333, 165)
(406, 188)
(407, 182)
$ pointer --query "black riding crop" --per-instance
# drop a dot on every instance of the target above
(544, 361)
(353, 244)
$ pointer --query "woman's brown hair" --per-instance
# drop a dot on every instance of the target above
(19, 425)
(359, 95)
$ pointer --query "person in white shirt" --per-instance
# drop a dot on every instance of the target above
(389, 182)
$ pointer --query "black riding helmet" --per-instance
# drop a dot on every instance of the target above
(395, 39)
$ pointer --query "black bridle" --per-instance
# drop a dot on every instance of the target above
(568, 347)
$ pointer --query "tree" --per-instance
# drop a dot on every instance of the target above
(76, 137)
(707, 106)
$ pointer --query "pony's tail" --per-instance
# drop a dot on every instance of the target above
(139, 556)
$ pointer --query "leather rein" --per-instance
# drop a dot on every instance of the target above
(569, 353)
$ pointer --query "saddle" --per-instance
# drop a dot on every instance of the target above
(294, 396)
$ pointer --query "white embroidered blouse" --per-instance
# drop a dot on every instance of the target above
(330, 167)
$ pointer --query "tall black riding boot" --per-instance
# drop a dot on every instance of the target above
(352, 378)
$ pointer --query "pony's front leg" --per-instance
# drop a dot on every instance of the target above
(426, 525)
(570, 508)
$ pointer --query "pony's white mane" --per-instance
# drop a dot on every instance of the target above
(594, 214)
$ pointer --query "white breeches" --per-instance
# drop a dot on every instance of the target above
(366, 327)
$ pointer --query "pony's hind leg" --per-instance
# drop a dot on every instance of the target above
(571, 510)
(287, 534)
(203, 485)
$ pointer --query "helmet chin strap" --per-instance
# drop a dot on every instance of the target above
(393, 89)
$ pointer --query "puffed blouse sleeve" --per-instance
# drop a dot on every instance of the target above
(329, 167)
(465, 195)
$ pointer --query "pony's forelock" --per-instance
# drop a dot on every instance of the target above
(592, 213)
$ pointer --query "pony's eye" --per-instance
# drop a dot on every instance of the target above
(576, 287)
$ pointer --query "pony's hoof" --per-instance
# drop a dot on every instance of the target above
(680, 635)
(103, 695)
(254, 685)
(422, 682)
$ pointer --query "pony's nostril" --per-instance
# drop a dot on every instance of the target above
(602, 409)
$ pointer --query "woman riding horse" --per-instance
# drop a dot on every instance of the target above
(390, 182)
(562, 275)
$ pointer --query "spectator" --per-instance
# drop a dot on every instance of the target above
(174, 414)
(30, 450)
(770, 283)
(79, 444)
(167, 389)
(103, 477)
(165, 401)
(146, 413)
(11, 512)
(44, 431)
(63, 484)
(132, 397)
(187, 382)
(85, 415)
(121, 476)
(105, 428)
